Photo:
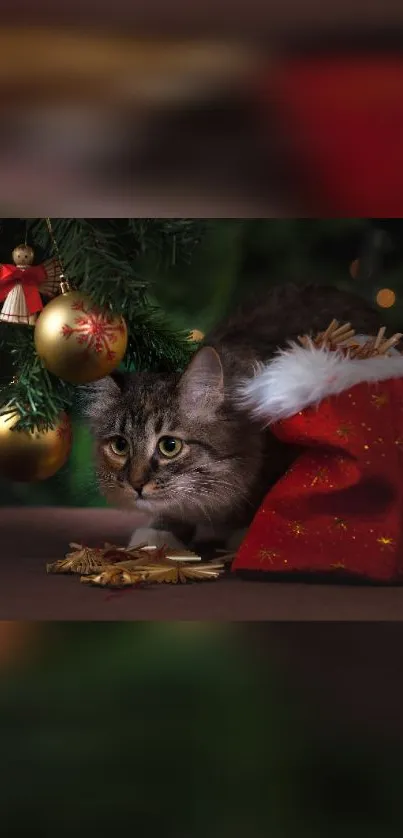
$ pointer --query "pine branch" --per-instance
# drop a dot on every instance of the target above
(174, 239)
(119, 246)
(36, 395)
(153, 345)
(113, 261)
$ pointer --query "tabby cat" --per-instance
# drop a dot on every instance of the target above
(180, 449)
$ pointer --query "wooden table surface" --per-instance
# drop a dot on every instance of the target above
(32, 536)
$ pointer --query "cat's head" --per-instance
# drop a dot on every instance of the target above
(173, 445)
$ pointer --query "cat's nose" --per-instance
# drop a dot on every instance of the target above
(138, 487)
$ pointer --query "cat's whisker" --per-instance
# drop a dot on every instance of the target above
(236, 491)
(195, 500)
(182, 508)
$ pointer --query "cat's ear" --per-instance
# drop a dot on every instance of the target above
(98, 396)
(119, 379)
(108, 387)
(202, 383)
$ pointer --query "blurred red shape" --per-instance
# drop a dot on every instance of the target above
(341, 120)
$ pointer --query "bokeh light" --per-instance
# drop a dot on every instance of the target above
(386, 298)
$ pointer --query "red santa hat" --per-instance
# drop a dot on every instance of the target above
(339, 508)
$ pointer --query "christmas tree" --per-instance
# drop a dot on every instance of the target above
(113, 261)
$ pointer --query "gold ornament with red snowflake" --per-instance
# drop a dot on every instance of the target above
(77, 340)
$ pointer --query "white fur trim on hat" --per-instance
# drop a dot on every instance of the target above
(298, 377)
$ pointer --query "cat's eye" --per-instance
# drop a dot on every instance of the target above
(170, 446)
(119, 446)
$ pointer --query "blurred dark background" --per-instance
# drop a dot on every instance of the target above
(198, 729)
(239, 110)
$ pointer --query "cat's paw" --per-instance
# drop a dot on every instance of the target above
(155, 538)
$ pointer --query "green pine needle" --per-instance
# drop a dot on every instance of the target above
(114, 262)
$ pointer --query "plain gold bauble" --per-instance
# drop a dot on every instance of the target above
(78, 341)
(27, 456)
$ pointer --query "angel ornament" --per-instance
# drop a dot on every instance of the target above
(22, 284)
